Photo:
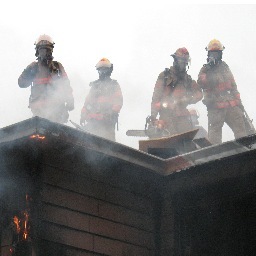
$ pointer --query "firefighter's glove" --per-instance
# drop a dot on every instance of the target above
(30, 71)
(207, 67)
(108, 116)
(152, 118)
(209, 101)
(111, 118)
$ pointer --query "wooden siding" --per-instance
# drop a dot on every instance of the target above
(86, 202)
(89, 210)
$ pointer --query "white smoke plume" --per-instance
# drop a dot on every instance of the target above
(138, 38)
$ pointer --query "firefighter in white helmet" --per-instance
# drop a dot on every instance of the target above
(221, 96)
(51, 94)
(102, 105)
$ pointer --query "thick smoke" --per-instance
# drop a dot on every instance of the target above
(142, 39)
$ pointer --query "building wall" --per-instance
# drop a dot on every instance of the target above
(167, 233)
(87, 203)
(102, 208)
(212, 209)
(83, 203)
(16, 180)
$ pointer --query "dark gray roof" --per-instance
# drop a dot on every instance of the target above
(40, 128)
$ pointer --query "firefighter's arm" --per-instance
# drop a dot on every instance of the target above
(84, 114)
(231, 78)
(194, 94)
(63, 72)
(27, 76)
(67, 89)
(157, 96)
(197, 94)
(202, 77)
(87, 107)
(117, 100)
(112, 104)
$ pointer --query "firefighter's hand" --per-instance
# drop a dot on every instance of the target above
(110, 116)
(209, 102)
(30, 71)
(207, 67)
(152, 118)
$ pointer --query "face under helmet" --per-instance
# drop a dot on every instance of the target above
(105, 68)
(181, 59)
(214, 49)
(44, 48)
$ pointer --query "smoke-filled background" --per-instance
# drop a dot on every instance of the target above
(138, 37)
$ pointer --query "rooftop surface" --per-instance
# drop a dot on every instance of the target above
(39, 128)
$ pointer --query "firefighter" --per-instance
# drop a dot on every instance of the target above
(194, 116)
(221, 96)
(102, 105)
(174, 91)
(51, 95)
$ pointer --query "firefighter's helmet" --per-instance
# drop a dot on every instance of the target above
(44, 40)
(194, 112)
(103, 63)
(182, 53)
(194, 116)
(215, 45)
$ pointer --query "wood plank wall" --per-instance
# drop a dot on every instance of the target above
(15, 182)
(94, 212)
(167, 228)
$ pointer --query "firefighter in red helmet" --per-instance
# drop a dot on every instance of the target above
(174, 91)
(51, 95)
(221, 96)
(102, 105)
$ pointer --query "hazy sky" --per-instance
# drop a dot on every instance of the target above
(138, 37)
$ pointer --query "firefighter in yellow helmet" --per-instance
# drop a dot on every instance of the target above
(102, 105)
(221, 96)
(51, 94)
(174, 91)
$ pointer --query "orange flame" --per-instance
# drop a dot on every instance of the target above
(37, 136)
(16, 222)
(25, 231)
(22, 225)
